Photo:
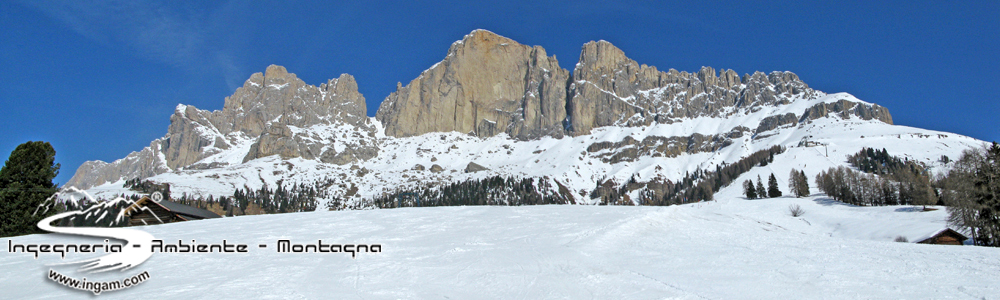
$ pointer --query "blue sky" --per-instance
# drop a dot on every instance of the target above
(100, 79)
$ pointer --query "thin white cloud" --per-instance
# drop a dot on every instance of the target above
(156, 31)
(162, 31)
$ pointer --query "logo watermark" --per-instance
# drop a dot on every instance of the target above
(97, 286)
(139, 246)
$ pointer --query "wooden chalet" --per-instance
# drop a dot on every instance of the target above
(145, 211)
(945, 236)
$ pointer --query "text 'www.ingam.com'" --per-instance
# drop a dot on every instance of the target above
(97, 286)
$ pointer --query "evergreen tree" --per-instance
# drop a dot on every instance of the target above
(772, 187)
(25, 184)
(761, 192)
(749, 190)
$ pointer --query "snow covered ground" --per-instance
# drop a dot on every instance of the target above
(727, 249)
(566, 160)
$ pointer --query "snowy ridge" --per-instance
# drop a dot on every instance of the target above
(565, 160)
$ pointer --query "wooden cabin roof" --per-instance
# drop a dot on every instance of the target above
(183, 211)
(943, 232)
(189, 211)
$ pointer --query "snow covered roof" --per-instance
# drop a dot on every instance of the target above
(184, 211)
(927, 239)
(188, 211)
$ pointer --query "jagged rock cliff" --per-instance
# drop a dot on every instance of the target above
(609, 89)
(486, 85)
(276, 106)
(144, 163)
(274, 113)
(846, 109)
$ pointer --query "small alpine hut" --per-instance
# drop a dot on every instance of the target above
(945, 236)
(145, 211)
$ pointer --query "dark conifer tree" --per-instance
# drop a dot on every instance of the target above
(772, 187)
(749, 190)
(761, 192)
(25, 184)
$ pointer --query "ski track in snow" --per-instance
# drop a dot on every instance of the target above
(726, 249)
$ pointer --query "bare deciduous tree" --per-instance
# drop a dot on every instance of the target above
(796, 210)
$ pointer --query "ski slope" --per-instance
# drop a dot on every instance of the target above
(726, 249)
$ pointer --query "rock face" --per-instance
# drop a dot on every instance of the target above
(274, 106)
(474, 167)
(609, 89)
(489, 84)
(845, 109)
(776, 121)
(630, 149)
(274, 113)
(486, 85)
(143, 164)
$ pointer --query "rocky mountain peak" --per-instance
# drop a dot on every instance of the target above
(485, 38)
(486, 85)
(345, 88)
(609, 89)
(489, 84)
(276, 71)
(602, 56)
(261, 114)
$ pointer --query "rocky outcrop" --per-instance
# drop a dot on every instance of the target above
(486, 85)
(845, 109)
(142, 164)
(609, 89)
(474, 167)
(489, 84)
(776, 121)
(278, 102)
(275, 112)
(630, 149)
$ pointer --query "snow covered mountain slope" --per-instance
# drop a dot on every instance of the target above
(725, 249)
(569, 160)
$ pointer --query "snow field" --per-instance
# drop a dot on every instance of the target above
(726, 249)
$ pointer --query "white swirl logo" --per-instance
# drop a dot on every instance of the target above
(136, 250)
